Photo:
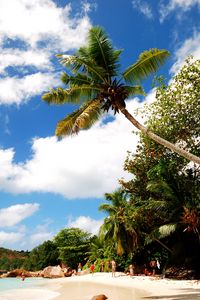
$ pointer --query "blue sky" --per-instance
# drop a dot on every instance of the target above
(47, 184)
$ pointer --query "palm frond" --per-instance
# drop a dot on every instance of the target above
(148, 62)
(78, 64)
(157, 205)
(77, 80)
(83, 118)
(134, 90)
(160, 233)
(106, 230)
(106, 208)
(100, 49)
(161, 187)
(57, 96)
(75, 95)
(166, 230)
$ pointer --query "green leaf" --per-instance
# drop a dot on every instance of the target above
(102, 52)
(148, 62)
(134, 90)
(166, 230)
(76, 64)
(76, 94)
(83, 118)
(57, 96)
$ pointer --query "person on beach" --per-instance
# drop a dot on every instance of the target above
(145, 270)
(102, 266)
(79, 267)
(23, 276)
(109, 266)
(113, 263)
(92, 268)
(131, 270)
(153, 265)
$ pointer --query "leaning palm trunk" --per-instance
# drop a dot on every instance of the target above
(158, 139)
(95, 83)
(163, 245)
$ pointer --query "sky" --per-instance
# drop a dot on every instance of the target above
(48, 184)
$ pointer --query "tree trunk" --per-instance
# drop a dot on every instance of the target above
(163, 245)
(158, 139)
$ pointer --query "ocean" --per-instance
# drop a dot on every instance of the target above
(29, 289)
(17, 283)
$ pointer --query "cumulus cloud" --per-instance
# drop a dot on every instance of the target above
(31, 33)
(35, 21)
(40, 235)
(15, 58)
(18, 90)
(14, 214)
(22, 238)
(190, 46)
(143, 7)
(179, 5)
(82, 166)
(7, 239)
(85, 223)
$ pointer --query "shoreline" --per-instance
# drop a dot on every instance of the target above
(121, 287)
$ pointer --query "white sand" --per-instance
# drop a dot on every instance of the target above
(121, 287)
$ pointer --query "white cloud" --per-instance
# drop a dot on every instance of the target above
(34, 21)
(14, 214)
(15, 58)
(82, 166)
(7, 239)
(24, 238)
(190, 46)
(85, 223)
(183, 4)
(143, 7)
(40, 236)
(17, 90)
(180, 6)
(30, 33)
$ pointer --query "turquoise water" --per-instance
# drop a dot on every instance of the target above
(17, 283)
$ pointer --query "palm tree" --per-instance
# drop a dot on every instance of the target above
(94, 82)
(175, 198)
(114, 227)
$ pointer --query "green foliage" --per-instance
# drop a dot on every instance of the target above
(148, 62)
(82, 118)
(124, 239)
(98, 249)
(165, 190)
(42, 256)
(175, 113)
(73, 245)
(10, 259)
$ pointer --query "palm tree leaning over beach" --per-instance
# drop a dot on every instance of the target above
(95, 83)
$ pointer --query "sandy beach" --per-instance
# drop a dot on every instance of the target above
(124, 287)
(121, 287)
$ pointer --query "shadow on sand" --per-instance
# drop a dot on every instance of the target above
(185, 294)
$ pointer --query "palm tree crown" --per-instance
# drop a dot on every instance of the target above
(114, 226)
(94, 82)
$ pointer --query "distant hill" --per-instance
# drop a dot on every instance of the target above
(12, 259)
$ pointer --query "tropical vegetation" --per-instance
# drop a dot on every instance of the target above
(156, 214)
